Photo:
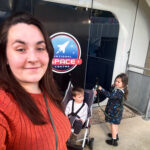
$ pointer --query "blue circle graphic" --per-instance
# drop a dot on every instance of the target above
(66, 47)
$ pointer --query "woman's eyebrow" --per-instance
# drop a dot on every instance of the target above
(22, 42)
(40, 42)
(18, 41)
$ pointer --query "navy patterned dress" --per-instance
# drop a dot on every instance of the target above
(114, 107)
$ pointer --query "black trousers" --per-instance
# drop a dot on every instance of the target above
(77, 126)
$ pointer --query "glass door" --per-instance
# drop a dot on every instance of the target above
(103, 39)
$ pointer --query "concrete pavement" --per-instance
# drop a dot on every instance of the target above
(134, 134)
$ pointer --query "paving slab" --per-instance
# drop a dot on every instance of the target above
(134, 134)
(134, 131)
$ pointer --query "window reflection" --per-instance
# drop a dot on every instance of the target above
(103, 39)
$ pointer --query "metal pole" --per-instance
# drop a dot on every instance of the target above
(133, 30)
(147, 110)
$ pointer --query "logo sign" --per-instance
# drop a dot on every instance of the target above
(67, 52)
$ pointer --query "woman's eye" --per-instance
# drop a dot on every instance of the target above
(20, 49)
(41, 48)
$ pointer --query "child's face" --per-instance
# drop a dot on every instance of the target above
(119, 83)
(79, 98)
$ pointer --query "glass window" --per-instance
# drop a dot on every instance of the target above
(103, 39)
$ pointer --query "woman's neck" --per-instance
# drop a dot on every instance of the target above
(31, 87)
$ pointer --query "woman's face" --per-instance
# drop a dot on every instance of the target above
(26, 53)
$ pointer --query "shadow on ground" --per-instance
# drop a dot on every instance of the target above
(99, 117)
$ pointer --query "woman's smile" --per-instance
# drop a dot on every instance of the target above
(32, 68)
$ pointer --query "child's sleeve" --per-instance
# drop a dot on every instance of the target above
(116, 94)
(68, 108)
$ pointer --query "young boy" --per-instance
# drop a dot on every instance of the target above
(78, 108)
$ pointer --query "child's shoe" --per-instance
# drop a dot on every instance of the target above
(110, 135)
(112, 142)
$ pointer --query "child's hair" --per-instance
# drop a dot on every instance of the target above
(124, 79)
(77, 90)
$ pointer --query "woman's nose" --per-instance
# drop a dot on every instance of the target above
(32, 55)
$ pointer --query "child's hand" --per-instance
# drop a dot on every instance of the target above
(100, 88)
(81, 121)
(95, 92)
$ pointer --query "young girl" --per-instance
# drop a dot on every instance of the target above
(114, 107)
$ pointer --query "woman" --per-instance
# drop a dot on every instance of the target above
(27, 88)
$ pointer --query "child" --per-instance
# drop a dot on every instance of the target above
(114, 107)
(77, 108)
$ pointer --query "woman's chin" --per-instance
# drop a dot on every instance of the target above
(30, 80)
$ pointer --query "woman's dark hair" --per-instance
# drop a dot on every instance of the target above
(11, 85)
(124, 79)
